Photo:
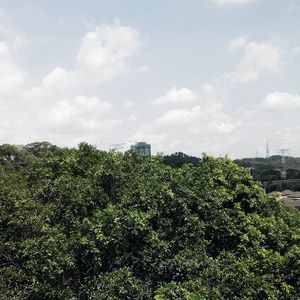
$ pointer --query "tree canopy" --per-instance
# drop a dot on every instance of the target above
(86, 224)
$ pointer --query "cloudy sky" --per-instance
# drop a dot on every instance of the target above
(214, 76)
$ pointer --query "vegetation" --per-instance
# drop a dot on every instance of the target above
(262, 169)
(86, 224)
(274, 162)
(268, 169)
(178, 159)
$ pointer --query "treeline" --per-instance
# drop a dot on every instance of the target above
(262, 169)
(275, 162)
(269, 169)
(178, 159)
(18, 157)
(87, 224)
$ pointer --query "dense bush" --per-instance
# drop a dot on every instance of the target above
(85, 224)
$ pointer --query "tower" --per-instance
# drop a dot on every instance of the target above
(267, 149)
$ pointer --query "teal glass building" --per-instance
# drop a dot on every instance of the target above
(142, 148)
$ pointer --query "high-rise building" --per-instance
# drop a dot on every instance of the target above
(142, 148)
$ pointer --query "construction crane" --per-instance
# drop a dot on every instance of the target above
(97, 146)
(117, 147)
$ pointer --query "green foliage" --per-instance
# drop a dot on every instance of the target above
(86, 224)
(268, 169)
(13, 158)
(119, 284)
(274, 162)
(38, 149)
(178, 159)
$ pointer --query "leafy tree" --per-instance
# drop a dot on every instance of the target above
(86, 224)
(13, 157)
(178, 159)
(292, 173)
(40, 148)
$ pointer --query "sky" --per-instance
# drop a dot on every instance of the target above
(198, 76)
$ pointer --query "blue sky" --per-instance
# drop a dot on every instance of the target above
(214, 76)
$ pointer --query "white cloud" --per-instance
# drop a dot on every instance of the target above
(12, 77)
(276, 117)
(225, 2)
(178, 116)
(208, 128)
(194, 130)
(104, 51)
(258, 59)
(52, 109)
(59, 79)
(80, 112)
(198, 119)
(102, 55)
(208, 88)
(281, 101)
(176, 95)
(74, 120)
(198, 122)
(238, 43)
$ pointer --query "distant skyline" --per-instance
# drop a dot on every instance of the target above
(214, 76)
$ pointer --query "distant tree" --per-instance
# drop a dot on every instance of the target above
(266, 174)
(178, 159)
(292, 174)
(40, 148)
(13, 157)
